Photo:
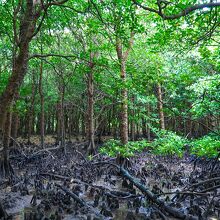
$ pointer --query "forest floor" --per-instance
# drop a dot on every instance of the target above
(49, 185)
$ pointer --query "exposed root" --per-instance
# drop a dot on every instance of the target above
(6, 170)
(3, 213)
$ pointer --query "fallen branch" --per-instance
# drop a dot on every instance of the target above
(74, 196)
(15, 141)
(80, 201)
(184, 193)
(147, 192)
(46, 149)
(203, 182)
(171, 210)
(57, 176)
(115, 194)
(211, 189)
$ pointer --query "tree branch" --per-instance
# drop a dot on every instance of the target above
(145, 7)
(56, 55)
(190, 9)
(183, 13)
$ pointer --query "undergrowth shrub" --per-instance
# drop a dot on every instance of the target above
(114, 147)
(168, 143)
(208, 146)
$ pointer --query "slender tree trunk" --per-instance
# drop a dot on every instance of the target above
(124, 107)
(63, 135)
(52, 122)
(48, 130)
(137, 130)
(58, 124)
(160, 106)
(31, 111)
(90, 104)
(144, 129)
(132, 120)
(122, 58)
(114, 123)
(69, 125)
(83, 124)
(148, 125)
(42, 116)
(124, 96)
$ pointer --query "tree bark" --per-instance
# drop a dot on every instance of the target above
(148, 123)
(90, 106)
(31, 112)
(144, 128)
(62, 122)
(58, 124)
(132, 120)
(160, 106)
(19, 68)
(5, 166)
(14, 128)
(42, 116)
(122, 58)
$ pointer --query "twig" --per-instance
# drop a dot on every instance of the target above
(210, 189)
(46, 149)
(184, 193)
(203, 182)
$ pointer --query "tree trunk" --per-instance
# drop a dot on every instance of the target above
(124, 107)
(5, 167)
(132, 120)
(144, 128)
(42, 118)
(31, 111)
(7, 131)
(124, 96)
(14, 128)
(148, 124)
(63, 135)
(90, 106)
(58, 124)
(122, 58)
(19, 68)
(160, 106)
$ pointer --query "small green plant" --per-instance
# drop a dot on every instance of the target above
(208, 146)
(113, 147)
(90, 157)
(168, 143)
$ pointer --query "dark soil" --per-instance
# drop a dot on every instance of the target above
(50, 185)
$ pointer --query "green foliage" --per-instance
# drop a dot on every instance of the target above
(190, 80)
(208, 146)
(207, 89)
(113, 147)
(168, 143)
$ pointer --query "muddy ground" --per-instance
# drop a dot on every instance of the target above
(50, 185)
